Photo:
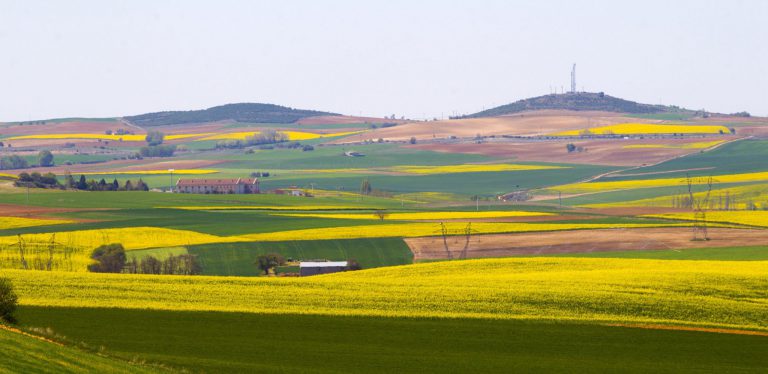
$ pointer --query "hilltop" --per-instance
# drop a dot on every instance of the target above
(242, 112)
(578, 101)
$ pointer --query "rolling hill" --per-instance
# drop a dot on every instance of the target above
(242, 112)
(579, 101)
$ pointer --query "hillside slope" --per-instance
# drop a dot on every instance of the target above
(580, 101)
(27, 354)
(242, 112)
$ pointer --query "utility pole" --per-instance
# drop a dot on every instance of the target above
(170, 185)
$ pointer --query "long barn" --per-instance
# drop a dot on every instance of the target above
(218, 186)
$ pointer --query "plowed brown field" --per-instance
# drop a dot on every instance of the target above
(580, 241)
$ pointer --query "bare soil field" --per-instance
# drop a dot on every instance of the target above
(613, 152)
(32, 211)
(582, 241)
(72, 127)
(529, 124)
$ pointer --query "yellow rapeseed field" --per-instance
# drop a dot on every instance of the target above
(724, 294)
(470, 168)
(10, 176)
(7, 223)
(646, 128)
(81, 243)
(695, 145)
(415, 216)
(151, 172)
(418, 229)
(663, 182)
(743, 217)
(737, 198)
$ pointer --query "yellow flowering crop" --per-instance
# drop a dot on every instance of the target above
(741, 217)
(408, 230)
(695, 145)
(738, 197)
(470, 168)
(422, 215)
(724, 294)
(7, 223)
(646, 128)
(11, 176)
(152, 172)
(648, 183)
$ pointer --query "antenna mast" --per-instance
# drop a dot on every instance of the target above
(573, 79)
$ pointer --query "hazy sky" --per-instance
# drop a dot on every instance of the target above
(412, 58)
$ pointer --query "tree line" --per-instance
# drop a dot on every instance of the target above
(111, 258)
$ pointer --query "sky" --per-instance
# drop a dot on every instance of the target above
(419, 59)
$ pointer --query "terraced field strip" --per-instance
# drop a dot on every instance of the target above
(7, 223)
(151, 172)
(292, 135)
(720, 294)
(587, 187)
(646, 128)
(696, 145)
(416, 216)
(746, 217)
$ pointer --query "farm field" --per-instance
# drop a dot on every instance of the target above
(592, 251)
(229, 341)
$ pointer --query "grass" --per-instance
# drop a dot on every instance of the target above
(721, 294)
(662, 116)
(238, 258)
(27, 354)
(243, 342)
(745, 156)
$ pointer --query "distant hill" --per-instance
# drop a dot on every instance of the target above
(577, 101)
(243, 112)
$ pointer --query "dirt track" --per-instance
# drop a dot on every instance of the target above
(582, 241)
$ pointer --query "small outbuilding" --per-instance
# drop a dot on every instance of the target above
(307, 268)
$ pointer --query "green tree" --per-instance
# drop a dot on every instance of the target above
(8, 300)
(154, 138)
(269, 261)
(45, 158)
(110, 258)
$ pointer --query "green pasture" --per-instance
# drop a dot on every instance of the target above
(236, 259)
(25, 354)
(745, 156)
(242, 342)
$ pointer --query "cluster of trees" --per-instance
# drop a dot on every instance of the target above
(47, 180)
(13, 162)
(118, 132)
(111, 258)
(44, 158)
(183, 264)
(157, 151)
(574, 148)
(244, 113)
(102, 185)
(268, 136)
(260, 174)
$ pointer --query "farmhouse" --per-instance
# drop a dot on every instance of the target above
(221, 186)
(321, 267)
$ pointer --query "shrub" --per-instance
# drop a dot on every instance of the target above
(110, 259)
(8, 300)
